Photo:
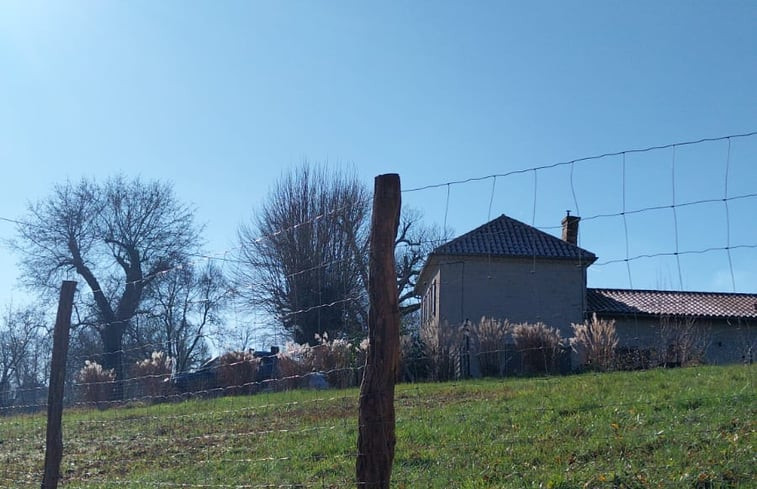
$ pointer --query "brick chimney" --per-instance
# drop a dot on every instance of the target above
(570, 229)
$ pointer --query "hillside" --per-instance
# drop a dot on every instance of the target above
(692, 428)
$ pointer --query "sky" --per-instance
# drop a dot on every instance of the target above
(221, 98)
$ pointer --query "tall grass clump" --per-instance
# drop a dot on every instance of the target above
(442, 349)
(338, 360)
(151, 375)
(539, 346)
(490, 337)
(95, 384)
(595, 343)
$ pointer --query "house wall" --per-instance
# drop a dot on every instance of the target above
(457, 289)
(519, 290)
(726, 341)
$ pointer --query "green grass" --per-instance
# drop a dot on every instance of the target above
(687, 428)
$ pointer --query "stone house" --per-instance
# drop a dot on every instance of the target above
(506, 269)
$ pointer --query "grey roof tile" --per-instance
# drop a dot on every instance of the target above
(671, 303)
(505, 236)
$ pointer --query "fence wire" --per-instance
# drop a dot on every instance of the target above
(289, 418)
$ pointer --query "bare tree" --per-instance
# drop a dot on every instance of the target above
(118, 236)
(304, 258)
(682, 342)
(296, 258)
(183, 314)
(23, 355)
(414, 242)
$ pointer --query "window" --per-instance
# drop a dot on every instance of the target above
(433, 299)
(424, 308)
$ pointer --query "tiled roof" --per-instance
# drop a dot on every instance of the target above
(671, 303)
(505, 236)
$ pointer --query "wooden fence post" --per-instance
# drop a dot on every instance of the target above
(54, 444)
(376, 437)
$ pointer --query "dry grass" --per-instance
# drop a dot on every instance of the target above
(539, 346)
(595, 342)
(336, 359)
(95, 384)
(490, 337)
(151, 376)
(442, 347)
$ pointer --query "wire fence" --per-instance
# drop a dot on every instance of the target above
(495, 433)
(288, 417)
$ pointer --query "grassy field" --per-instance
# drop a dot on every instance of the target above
(687, 428)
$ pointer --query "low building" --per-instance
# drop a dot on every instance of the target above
(509, 270)
(720, 327)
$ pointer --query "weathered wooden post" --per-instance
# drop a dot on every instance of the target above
(376, 438)
(54, 444)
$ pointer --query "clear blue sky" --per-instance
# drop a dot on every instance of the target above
(221, 97)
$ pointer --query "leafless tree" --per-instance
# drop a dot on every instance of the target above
(24, 349)
(183, 313)
(296, 261)
(682, 342)
(304, 258)
(415, 240)
(118, 236)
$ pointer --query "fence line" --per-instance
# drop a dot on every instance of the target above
(412, 399)
(572, 162)
(155, 415)
(353, 370)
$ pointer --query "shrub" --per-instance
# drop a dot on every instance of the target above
(414, 365)
(237, 372)
(634, 358)
(95, 383)
(152, 375)
(289, 369)
(490, 336)
(539, 347)
(682, 343)
(595, 342)
(337, 359)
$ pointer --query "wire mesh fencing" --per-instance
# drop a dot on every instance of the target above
(478, 404)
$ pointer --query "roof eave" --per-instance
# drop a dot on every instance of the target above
(587, 261)
(420, 285)
(643, 314)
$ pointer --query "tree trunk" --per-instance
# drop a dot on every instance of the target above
(113, 355)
